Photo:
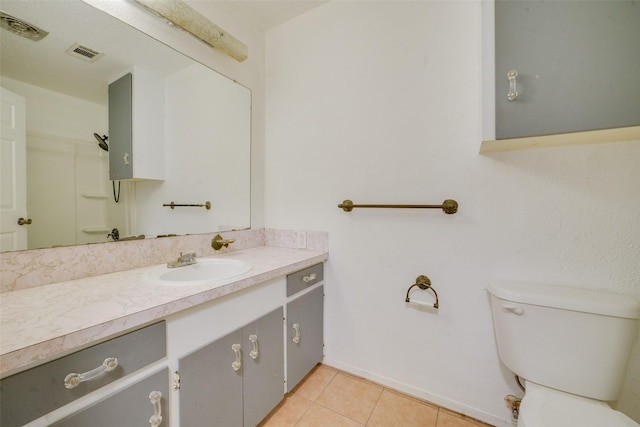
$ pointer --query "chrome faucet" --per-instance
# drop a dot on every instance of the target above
(184, 259)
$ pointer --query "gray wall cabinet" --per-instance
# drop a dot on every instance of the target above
(305, 345)
(577, 62)
(220, 386)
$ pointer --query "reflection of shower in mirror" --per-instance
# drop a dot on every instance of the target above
(102, 141)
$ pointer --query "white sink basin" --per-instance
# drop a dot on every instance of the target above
(204, 271)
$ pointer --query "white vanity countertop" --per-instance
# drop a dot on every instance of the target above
(39, 323)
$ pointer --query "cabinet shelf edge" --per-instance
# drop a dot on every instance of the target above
(604, 136)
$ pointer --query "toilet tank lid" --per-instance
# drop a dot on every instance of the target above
(567, 298)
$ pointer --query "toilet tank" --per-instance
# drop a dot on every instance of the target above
(570, 339)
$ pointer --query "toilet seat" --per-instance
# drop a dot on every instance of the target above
(545, 407)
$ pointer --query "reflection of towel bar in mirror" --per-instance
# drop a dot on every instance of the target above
(424, 283)
(173, 205)
(448, 206)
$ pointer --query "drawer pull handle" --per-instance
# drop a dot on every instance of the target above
(296, 338)
(238, 363)
(309, 278)
(513, 309)
(156, 418)
(72, 380)
(254, 340)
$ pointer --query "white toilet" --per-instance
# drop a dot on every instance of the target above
(572, 348)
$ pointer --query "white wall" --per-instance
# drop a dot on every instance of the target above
(381, 102)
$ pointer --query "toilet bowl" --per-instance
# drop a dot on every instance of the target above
(571, 346)
(545, 407)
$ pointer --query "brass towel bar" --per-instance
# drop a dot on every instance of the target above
(448, 206)
(173, 205)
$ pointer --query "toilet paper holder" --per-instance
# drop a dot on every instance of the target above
(424, 283)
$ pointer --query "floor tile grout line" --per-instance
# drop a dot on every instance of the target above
(303, 414)
(374, 406)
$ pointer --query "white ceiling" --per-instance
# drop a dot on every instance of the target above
(44, 63)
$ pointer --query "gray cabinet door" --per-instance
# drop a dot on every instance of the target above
(210, 389)
(263, 377)
(121, 128)
(129, 407)
(307, 313)
(577, 62)
(213, 393)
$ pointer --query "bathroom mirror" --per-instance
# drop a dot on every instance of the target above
(64, 80)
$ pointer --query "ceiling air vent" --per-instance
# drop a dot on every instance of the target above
(83, 52)
(21, 27)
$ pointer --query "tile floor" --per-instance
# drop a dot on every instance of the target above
(328, 397)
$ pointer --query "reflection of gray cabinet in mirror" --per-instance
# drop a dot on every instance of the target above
(136, 127)
(577, 62)
(213, 392)
(305, 342)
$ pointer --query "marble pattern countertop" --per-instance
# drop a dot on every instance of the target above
(38, 324)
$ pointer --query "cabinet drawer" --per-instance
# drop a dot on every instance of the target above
(32, 393)
(304, 278)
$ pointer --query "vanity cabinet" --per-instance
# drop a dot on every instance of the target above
(236, 380)
(35, 392)
(577, 65)
(143, 403)
(136, 131)
(305, 323)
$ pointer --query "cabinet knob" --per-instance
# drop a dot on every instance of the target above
(512, 95)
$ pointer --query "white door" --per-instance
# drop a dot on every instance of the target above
(13, 171)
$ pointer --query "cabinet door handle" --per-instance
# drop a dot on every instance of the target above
(512, 95)
(309, 278)
(125, 159)
(238, 363)
(254, 340)
(72, 380)
(156, 418)
(296, 338)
